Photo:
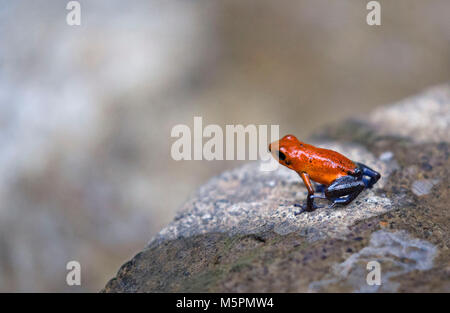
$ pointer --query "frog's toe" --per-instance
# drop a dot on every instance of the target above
(314, 207)
(302, 210)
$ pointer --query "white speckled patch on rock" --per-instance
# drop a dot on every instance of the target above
(423, 187)
(423, 118)
(397, 253)
(246, 200)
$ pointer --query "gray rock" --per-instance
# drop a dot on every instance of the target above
(423, 119)
(242, 232)
(394, 248)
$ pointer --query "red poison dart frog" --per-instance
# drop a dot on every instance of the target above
(339, 179)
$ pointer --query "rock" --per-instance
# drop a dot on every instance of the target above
(422, 119)
(423, 186)
(242, 231)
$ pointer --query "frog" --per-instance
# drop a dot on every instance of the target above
(337, 178)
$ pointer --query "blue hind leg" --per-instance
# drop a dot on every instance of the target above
(370, 177)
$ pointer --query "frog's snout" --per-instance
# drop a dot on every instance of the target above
(274, 146)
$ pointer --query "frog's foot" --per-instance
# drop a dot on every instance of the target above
(332, 205)
(304, 208)
(310, 208)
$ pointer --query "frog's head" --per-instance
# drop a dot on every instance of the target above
(285, 150)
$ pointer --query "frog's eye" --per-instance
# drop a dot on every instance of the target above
(281, 156)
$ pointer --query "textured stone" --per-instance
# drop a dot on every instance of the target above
(423, 119)
(242, 230)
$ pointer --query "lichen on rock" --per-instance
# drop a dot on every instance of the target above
(403, 254)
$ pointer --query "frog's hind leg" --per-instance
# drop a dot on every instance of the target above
(344, 190)
(374, 176)
(319, 187)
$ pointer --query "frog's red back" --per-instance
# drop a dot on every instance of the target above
(322, 165)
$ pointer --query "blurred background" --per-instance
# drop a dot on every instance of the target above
(86, 111)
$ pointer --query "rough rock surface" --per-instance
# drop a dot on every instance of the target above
(242, 232)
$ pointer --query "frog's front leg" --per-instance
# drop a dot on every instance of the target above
(310, 206)
(344, 190)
